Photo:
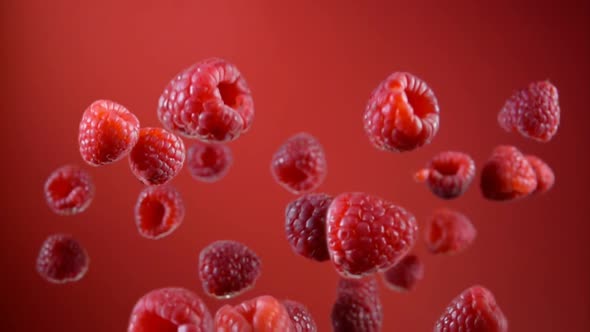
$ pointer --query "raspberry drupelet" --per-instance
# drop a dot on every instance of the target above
(507, 175)
(448, 232)
(300, 316)
(69, 190)
(404, 275)
(158, 212)
(208, 162)
(262, 314)
(544, 173)
(357, 307)
(62, 259)
(448, 174)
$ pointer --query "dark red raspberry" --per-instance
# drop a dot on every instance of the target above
(157, 157)
(158, 211)
(448, 174)
(300, 316)
(69, 190)
(305, 226)
(228, 268)
(62, 259)
(507, 175)
(357, 307)
(404, 275)
(533, 112)
(299, 165)
(208, 162)
(475, 310)
(210, 101)
(367, 234)
(448, 232)
(545, 175)
(170, 310)
(108, 131)
(402, 113)
(262, 314)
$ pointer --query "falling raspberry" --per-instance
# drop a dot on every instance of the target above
(544, 173)
(305, 226)
(533, 112)
(262, 314)
(208, 162)
(170, 310)
(507, 175)
(158, 211)
(357, 307)
(448, 232)
(474, 310)
(300, 316)
(157, 157)
(367, 234)
(299, 165)
(69, 190)
(448, 174)
(210, 101)
(62, 259)
(404, 275)
(228, 268)
(108, 131)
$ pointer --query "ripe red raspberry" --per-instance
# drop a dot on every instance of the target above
(448, 232)
(474, 310)
(507, 175)
(357, 307)
(262, 314)
(228, 268)
(448, 174)
(402, 113)
(210, 101)
(533, 112)
(305, 226)
(208, 162)
(170, 310)
(158, 211)
(69, 190)
(299, 165)
(108, 131)
(62, 259)
(404, 275)
(157, 157)
(367, 234)
(545, 176)
(300, 316)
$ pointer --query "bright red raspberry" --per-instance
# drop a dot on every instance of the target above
(474, 310)
(545, 175)
(367, 234)
(402, 113)
(158, 212)
(62, 259)
(448, 174)
(357, 307)
(262, 314)
(228, 268)
(299, 165)
(69, 190)
(305, 226)
(533, 112)
(170, 310)
(208, 162)
(507, 175)
(300, 316)
(108, 131)
(448, 232)
(404, 275)
(210, 101)
(157, 157)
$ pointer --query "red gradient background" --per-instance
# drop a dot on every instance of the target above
(311, 66)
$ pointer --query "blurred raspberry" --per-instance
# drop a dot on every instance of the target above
(448, 232)
(448, 174)
(404, 275)
(69, 190)
(300, 316)
(158, 211)
(62, 259)
(507, 175)
(544, 173)
(208, 162)
(262, 314)
(357, 307)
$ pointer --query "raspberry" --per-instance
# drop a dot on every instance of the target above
(62, 259)
(403, 276)
(474, 310)
(228, 268)
(69, 190)
(208, 162)
(533, 112)
(108, 131)
(305, 226)
(402, 113)
(357, 307)
(448, 232)
(544, 173)
(170, 310)
(157, 157)
(507, 175)
(367, 234)
(262, 314)
(210, 101)
(448, 174)
(300, 316)
(158, 211)
(299, 165)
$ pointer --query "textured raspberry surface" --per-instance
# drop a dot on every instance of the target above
(300, 316)
(158, 211)
(299, 165)
(544, 173)
(62, 259)
(157, 157)
(108, 131)
(448, 174)
(367, 234)
(305, 226)
(208, 162)
(402, 113)
(228, 268)
(262, 314)
(448, 232)
(404, 275)
(69, 190)
(357, 307)
(507, 175)
(170, 310)
(533, 112)
(474, 310)
(210, 101)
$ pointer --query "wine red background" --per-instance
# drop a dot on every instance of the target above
(311, 66)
